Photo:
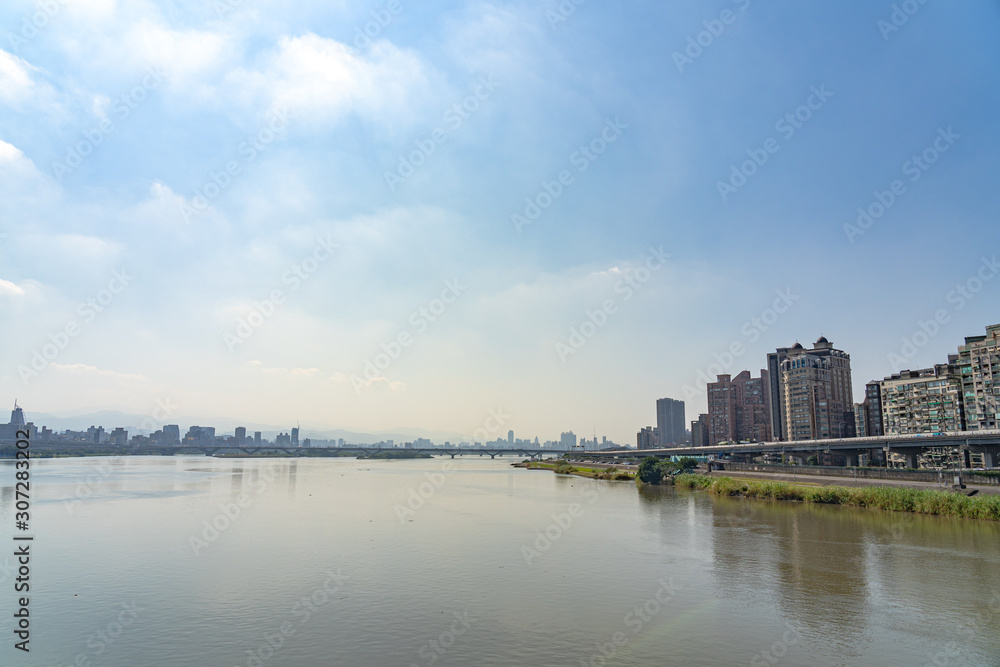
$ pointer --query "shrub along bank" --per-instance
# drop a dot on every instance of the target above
(892, 498)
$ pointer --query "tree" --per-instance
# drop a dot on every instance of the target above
(650, 471)
(687, 463)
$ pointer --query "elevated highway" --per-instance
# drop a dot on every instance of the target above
(910, 446)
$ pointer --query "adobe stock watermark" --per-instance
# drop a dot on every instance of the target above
(87, 486)
(778, 649)
(561, 523)
(101, 641)
(418, 496)
(87, 311)
(296, 275)
(229, 513)
(786, 126)
(300, 615)
(381, 18)
(632, 282)
(915, 168)
(899, 17)
(121, 108)
(32, 24)
(420, 320)
(434, 649)
(224, 7)
(581, 158)
(480, 91)
(698, 43)
(638, 618)
(218, 181)
(562, 13)
(958, 297)
(751, 332)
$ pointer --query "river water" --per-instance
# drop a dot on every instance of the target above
(305, 562)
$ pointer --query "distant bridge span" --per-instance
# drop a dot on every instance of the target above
(250, 450)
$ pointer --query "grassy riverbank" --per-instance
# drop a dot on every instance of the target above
(566, 469)
(891, 498)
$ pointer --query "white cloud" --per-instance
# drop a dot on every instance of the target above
(86, 370)
(319, 80)
(17, 85)
(9, 288)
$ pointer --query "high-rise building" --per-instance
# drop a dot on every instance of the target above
(9, 431)
(241, 436)
(200, 435)
(924, 401)
(670, 421)
(860, 420)
(510, 437)
(256, 438)
(295, 437)
(17, 416)
(171, 434)
(567, 440)
(646, 438)
(774, 361)
(979, 365)
(739, 409)
(815, 391)
(119, 437)
(699, 431)
(722, 418)
(873, 411)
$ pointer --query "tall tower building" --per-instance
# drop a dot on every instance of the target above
(817, 382)
(670, 422)
(295, 437)
(17, 416)
(241, 435)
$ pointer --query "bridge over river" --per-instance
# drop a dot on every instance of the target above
(250, 450)
(910, 446)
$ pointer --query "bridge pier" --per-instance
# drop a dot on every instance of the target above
(911, 456)
(990, 458)
(852, 457)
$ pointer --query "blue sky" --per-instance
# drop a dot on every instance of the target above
(239, 150)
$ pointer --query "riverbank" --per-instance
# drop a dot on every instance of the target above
(893, 499)
(609, 473)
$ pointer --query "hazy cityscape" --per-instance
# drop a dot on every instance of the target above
(380, 333)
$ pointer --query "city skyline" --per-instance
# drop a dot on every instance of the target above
(459, 212)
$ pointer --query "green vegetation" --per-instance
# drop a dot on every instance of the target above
(562, 468)
(891, 498)
(654, 471)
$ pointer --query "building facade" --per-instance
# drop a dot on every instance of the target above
(646, 438)
(815, 390)
(739, 409)
(699, 431)
(979, 365)
(670, 422)
(923, 401)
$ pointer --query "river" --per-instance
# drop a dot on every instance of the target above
(199, 561)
